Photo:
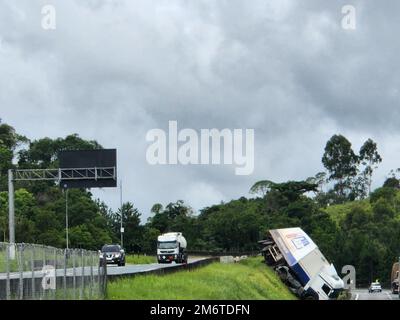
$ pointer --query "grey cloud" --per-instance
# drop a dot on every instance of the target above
(115, 69)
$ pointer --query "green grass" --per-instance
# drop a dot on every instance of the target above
(134, 259)
(249, 279)
(340, 211)
(12, 264)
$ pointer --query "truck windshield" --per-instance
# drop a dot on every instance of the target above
(167, 245)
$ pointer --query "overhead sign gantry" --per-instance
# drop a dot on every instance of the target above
(78, 169)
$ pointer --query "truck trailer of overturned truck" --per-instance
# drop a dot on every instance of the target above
(301, 265)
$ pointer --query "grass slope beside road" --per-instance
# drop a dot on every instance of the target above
(135, 259)
(249, 279)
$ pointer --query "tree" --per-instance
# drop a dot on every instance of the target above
(392, 183)
(156, 208)
(369, 157)
(43, 153)
(261, 187)
(9, 141)
(358, 187)
(319, 179)
(133, 230)
(176, 209)
(341, 162)
(9, 138)
(149, 239)
(291, 189)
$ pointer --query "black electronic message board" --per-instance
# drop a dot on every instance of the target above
(88, 168)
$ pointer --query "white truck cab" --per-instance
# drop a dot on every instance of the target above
(171, 247)
(326, 283)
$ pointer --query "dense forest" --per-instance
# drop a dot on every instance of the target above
(350, 223)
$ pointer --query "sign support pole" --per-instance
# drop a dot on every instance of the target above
(11, 209)
(66, 216)
(11, 215)
(122, 229)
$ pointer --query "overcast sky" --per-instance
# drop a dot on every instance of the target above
(113, 70)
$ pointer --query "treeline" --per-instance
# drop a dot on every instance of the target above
(350, 224)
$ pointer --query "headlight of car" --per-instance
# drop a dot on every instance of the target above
(117, 255)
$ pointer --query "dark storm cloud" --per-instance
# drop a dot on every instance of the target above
(112, 70)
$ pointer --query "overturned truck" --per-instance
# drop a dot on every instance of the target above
(300, 264)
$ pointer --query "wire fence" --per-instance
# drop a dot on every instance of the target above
(36, 272)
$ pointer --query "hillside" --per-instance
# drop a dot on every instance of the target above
(367, 234)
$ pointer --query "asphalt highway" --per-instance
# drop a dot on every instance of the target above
(363, 294)
(112, 270)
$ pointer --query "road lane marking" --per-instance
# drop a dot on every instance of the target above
(390, 297)
(357, 295)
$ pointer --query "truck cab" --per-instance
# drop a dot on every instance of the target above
(327, 284)
(171, 247)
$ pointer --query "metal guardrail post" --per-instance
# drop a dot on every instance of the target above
(104, 277)
(82, 287)
(44, 263)
(65, 274)
(73, 274)
(8, 289)
(55, 275)
(33, 271)
(99, 266)
(91, 276)
(20, 249)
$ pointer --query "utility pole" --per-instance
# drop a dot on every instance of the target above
(122, 228)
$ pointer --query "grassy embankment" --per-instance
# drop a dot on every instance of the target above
(339, 212)
(249, 279)
(134, 259)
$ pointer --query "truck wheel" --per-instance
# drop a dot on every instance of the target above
(283, 276)
(310, 295)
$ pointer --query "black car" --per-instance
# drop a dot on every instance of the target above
(114, 254)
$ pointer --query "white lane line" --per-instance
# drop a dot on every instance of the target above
(357, 295)
(390, 297)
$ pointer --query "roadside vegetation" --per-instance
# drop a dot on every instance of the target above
(249, 279)
(350, 222)
(140, 259)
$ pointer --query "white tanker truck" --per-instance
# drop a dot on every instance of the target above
(171, 247)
